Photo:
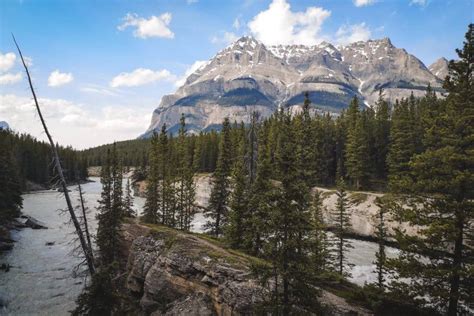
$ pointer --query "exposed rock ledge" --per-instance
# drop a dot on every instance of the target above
(172, 273)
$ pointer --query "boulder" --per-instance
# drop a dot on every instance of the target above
(31, 222)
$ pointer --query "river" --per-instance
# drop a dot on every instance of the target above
(42, 281)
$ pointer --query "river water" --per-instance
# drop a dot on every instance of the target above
(42, 281)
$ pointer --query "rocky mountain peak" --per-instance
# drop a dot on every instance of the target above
(440, 68)
(248, 76)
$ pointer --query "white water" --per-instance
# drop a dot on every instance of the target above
(41, 280)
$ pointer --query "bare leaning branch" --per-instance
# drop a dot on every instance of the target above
(57, 164)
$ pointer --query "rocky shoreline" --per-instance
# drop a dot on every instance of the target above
(24, 221)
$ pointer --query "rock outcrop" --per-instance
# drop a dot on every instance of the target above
(248, 76)
(173, 273)
(440, 68)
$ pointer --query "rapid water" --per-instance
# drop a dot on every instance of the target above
(42, 281)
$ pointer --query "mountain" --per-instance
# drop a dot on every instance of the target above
(440, 68)
(248, 76)
(4, 125)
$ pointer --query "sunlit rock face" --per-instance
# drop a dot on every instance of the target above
(440, 68)
(248, 76)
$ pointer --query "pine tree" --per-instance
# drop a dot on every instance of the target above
(290, 228)
(402, 146)
(382, 137)
(381, 234)
(261, 198)
(110, 209)
(219, 199)
(129, 211)
(320, 252)
(441, 199)
(185, 182)
(238, 213)
(151, 208)
(341, 218)
(306, 139)
(252, 151)
(166, 187)
(357, 151)
(10, 188)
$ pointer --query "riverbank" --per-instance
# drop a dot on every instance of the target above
(25, 221)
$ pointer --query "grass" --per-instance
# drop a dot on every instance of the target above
(225, 253)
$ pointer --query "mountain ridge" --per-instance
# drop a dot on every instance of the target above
(248, 76)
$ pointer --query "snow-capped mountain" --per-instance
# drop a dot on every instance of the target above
(248, 76)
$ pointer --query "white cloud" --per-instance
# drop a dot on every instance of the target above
(155, 26)
(191, 1)
(98, 90)
(279, 25)
(141, 76)
(422, 3)
(71, 123)
(352, 33)
(57, 78)
(7, 61)
(362, 3)
(225, 38)
(195, 66)
(10, 78)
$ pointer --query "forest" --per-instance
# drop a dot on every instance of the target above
(419, 151)
(25, 163)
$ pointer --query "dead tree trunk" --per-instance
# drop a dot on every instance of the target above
(57, 164)
(86, 225)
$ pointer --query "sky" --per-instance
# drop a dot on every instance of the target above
(100, 68)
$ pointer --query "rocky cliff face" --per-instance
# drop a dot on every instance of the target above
(440, 68)
(363, 209)
(248, 76)
(173, 273)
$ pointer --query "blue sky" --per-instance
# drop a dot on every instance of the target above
(101, 67)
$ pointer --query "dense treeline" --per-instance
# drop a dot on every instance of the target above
(10, 186)
(33, 159)
(131, 152)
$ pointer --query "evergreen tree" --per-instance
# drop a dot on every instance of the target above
(441, 199)
(218, 201)
(110, 209)
(402, 146)
(10, 188)
(165, 180)
(100, 296)
(357, 151)
(129, 211)
(381, 234)
(262, 198)
(306, 139)
(238, 202)
(382, 137)
(290, 228)
(151, 208)
(321, 256)
(185, 181)
(341, 218)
